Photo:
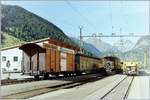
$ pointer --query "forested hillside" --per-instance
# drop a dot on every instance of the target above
(26, 26)
(20, 25)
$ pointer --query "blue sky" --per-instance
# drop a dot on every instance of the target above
(94, 16)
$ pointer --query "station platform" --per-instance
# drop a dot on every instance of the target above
(140, 89)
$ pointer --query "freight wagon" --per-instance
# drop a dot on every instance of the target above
(88, 64)
(54, 57)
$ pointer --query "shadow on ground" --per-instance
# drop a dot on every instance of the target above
(143, 73)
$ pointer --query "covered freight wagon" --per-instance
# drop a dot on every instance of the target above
(88, 64)
(53, 57)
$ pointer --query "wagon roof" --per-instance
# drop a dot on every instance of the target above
(62, 44)
(111, 58)
(87, 56)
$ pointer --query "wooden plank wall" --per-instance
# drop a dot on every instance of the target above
(57, 61)
(47, 58)
(52, 60)
(70, 62)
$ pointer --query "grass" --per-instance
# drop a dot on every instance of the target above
(10, 40)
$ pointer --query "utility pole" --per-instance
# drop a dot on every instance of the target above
(81, 42)
(145, 59)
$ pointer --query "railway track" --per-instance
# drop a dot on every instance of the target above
(120, 91)
(26, 80)
(35, 92)
(17, 81)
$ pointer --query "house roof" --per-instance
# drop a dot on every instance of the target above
(51, 41)
(16, 46)
(33, 48)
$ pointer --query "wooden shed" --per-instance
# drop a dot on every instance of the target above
(33, 56)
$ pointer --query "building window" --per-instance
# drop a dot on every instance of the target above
(4, 70)
(15, 59)
(15, 69)
(3, 58)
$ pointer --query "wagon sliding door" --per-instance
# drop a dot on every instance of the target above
(70, 62)
(52, 61)
(57, 61)
(48, 60)
(63, 62)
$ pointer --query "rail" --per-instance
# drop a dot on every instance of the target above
(117, 87)
(127, 92)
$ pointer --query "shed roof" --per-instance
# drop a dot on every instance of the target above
(32, 48)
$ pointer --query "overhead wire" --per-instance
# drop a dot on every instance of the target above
(111, 17)
(111, 23)
(120, 24)
(124, 14)
(72, 27)
(81, 15)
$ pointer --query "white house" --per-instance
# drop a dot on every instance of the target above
(12, 57)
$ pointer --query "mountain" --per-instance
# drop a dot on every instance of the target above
(26, 26)
(88, 47)
(143, 44)
(124, 44)
(139, 50)
(98, 47)
(101, 45)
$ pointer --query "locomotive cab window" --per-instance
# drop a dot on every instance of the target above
(15, 59)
